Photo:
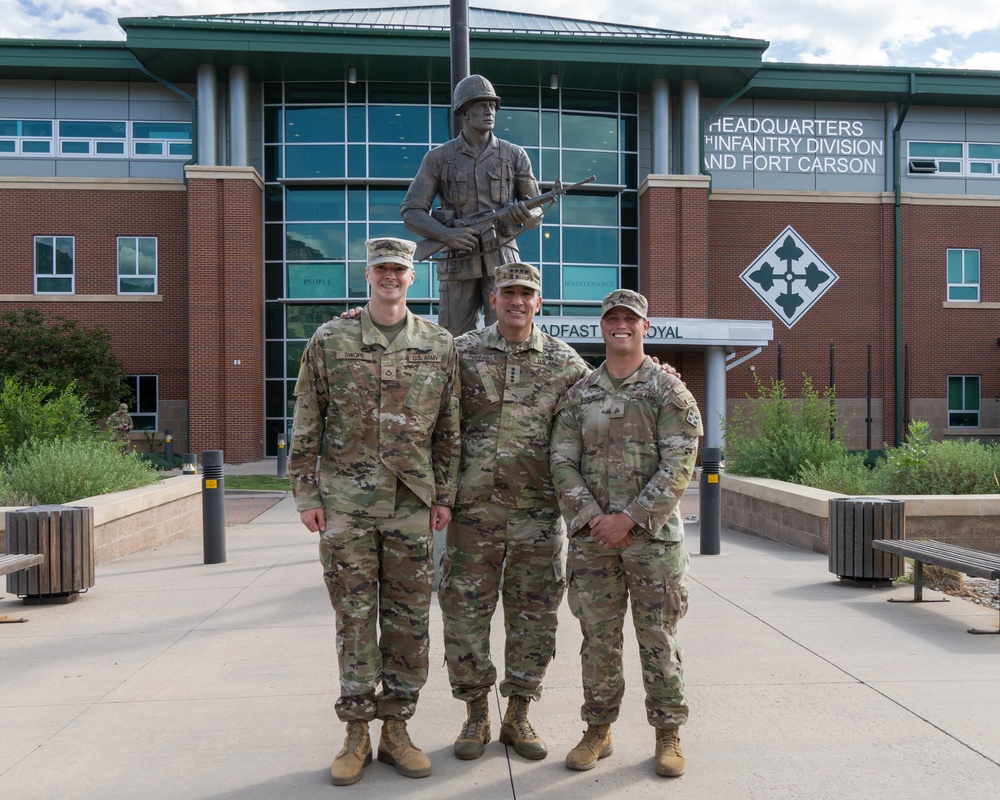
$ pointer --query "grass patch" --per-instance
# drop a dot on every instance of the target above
(260, 483)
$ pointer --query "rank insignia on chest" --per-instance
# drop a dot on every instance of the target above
(513, 374)
(614, 407)
(389, 373)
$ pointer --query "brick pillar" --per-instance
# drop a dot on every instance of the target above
(226, 311)
(673, 249)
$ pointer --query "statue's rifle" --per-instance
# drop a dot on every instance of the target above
(428, 247)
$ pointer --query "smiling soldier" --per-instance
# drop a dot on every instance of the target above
(623, 452)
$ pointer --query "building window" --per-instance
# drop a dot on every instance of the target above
(25, 137)
(84, 138)
(53, 265)
(142, 401)
(161, 139)
(954, 159)
(963, 401)
(963, 275)
(95, 138)
(136, 265)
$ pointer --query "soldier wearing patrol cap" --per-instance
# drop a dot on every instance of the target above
(374, 462)
(506, 519)
(623, 452)
(474, 172)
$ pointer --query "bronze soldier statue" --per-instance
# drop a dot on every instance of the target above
(473, 173)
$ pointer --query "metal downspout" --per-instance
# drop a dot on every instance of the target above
(897, 180)
(187, 230)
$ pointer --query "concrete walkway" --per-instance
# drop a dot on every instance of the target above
(173, 679)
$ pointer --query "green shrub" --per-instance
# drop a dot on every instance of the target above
(41, 413)
(63, 470)
(923, 466)
(845, 475)
(775, 437)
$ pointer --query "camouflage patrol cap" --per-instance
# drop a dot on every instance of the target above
(518, 274)
(626, 298)
(390, 251)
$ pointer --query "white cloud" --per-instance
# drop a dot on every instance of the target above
(861, 32)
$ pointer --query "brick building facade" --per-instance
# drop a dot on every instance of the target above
(209, 188)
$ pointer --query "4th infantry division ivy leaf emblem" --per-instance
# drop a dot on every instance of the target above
(789, 276)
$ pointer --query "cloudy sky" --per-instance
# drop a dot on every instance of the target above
(963, 34)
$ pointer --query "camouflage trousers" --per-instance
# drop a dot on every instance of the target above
(380, 573)
(601, 581)
(522, 549)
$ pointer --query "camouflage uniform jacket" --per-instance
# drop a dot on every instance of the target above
(509, 397)
(467, 184)
(630, 449)
(375, 412)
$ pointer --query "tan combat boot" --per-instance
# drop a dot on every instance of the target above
(595, 744)
(517, 731)
(475, 735)
(669, 756)
(355, 756)
(395, 747)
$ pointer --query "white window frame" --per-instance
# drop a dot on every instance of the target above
(20, 139)
(134, 266)
(931, 165)
(966, 254)
(963, 411)
(53, 275)
(127, 146)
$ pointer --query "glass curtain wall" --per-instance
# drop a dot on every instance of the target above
(338, 159)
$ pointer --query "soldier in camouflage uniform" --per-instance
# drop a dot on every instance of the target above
(506, 519)
(374, 463)
(623, 452)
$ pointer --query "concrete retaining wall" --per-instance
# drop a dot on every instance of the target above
(798, 515)
(140, 519)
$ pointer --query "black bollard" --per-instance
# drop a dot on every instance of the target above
(710, 500)
(213, 507)
(168, 448)
(282, 457)
(190, 465)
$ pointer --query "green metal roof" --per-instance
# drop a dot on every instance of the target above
(48, 59)
(928, 86)
(481, 20)
(385, 44)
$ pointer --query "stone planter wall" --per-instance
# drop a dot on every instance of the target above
(140, 519)
(798, 515)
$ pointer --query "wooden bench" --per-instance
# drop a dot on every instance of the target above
(961, 559)
(18, 561)
(15, 562)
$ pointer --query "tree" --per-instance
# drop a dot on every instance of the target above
(60, 352)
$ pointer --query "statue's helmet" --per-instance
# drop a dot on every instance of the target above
(470, 89)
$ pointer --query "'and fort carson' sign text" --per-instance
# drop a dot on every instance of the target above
(795, 145)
